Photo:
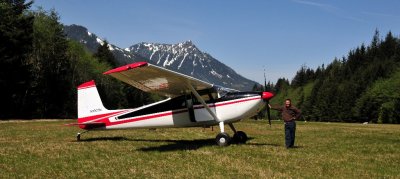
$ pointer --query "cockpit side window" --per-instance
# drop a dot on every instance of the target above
(207, 95)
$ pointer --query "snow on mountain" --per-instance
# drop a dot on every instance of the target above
(101, 42)
(183, 57)
(186, 58)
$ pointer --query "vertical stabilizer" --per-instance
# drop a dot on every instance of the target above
(89, 102)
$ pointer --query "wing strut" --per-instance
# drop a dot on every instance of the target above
(202, 102)
(221, 123)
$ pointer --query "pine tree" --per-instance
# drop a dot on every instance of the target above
(257, 87)
(16, 27)
(50, 86)
(300, 77)
(281, 85)
(104, 55)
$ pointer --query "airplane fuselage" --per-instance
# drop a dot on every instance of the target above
(182, 111)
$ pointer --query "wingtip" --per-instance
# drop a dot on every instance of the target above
(126, 67)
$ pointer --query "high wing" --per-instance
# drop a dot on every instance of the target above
(154, 79)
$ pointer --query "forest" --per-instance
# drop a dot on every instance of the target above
(361, 87)
(41, 67)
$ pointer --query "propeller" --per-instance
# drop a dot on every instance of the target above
(267, 96)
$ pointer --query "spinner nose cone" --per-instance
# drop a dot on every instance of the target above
(267, 95)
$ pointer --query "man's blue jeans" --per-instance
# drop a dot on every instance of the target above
(290, 133)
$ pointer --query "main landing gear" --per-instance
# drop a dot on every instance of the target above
(223, 139)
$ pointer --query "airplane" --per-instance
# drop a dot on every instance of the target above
(189, 102)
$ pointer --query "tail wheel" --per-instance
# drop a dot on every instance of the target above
(240, 137)
(78, 137)
(223, 139)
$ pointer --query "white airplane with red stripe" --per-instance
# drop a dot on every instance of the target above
(189, 102)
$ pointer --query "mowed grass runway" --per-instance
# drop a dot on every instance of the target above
(47, 149)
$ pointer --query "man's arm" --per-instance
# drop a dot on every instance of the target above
(298, 113)
(275, 107)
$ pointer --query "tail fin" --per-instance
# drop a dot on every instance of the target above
(89, 102)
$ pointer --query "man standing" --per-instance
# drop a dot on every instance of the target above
(289, 115)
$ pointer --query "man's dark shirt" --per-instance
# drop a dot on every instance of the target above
(288, 114)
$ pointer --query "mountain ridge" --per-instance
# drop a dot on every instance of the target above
(182, 57)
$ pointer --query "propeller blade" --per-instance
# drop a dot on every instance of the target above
(267, 96)
(269, 113)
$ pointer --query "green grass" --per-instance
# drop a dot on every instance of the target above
(47, 149)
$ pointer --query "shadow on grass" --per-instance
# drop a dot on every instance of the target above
(105, 139)
(189, 144)
(173, 145)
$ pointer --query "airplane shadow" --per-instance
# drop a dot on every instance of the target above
(189, 144)
(105, 139)
(173, 145)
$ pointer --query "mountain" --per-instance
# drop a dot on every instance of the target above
(92, 42)
(183, 57)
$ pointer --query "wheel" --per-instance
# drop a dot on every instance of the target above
(78, 136)
(223, 139)
(240, 137)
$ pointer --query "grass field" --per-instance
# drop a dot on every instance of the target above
(47, 149)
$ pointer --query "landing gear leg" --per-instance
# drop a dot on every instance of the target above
(78, 135)
(222, 139)
(239, 136)
(232, 127)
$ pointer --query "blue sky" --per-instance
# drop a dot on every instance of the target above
(248, 36)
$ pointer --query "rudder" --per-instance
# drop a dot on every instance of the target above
(89, 102)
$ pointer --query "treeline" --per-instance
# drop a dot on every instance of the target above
(40, 68)
(361, 87)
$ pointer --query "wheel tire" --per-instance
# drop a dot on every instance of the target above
(78, 137)
(240, 137)
(223, 139)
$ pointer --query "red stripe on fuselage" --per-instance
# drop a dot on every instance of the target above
(239, 101)
(104, 118)
(96, 117)
(227, 103)
(141, 118)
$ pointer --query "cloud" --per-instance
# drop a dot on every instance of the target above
(341, 13)
(319, 5)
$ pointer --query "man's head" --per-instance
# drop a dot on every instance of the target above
(288, 103)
